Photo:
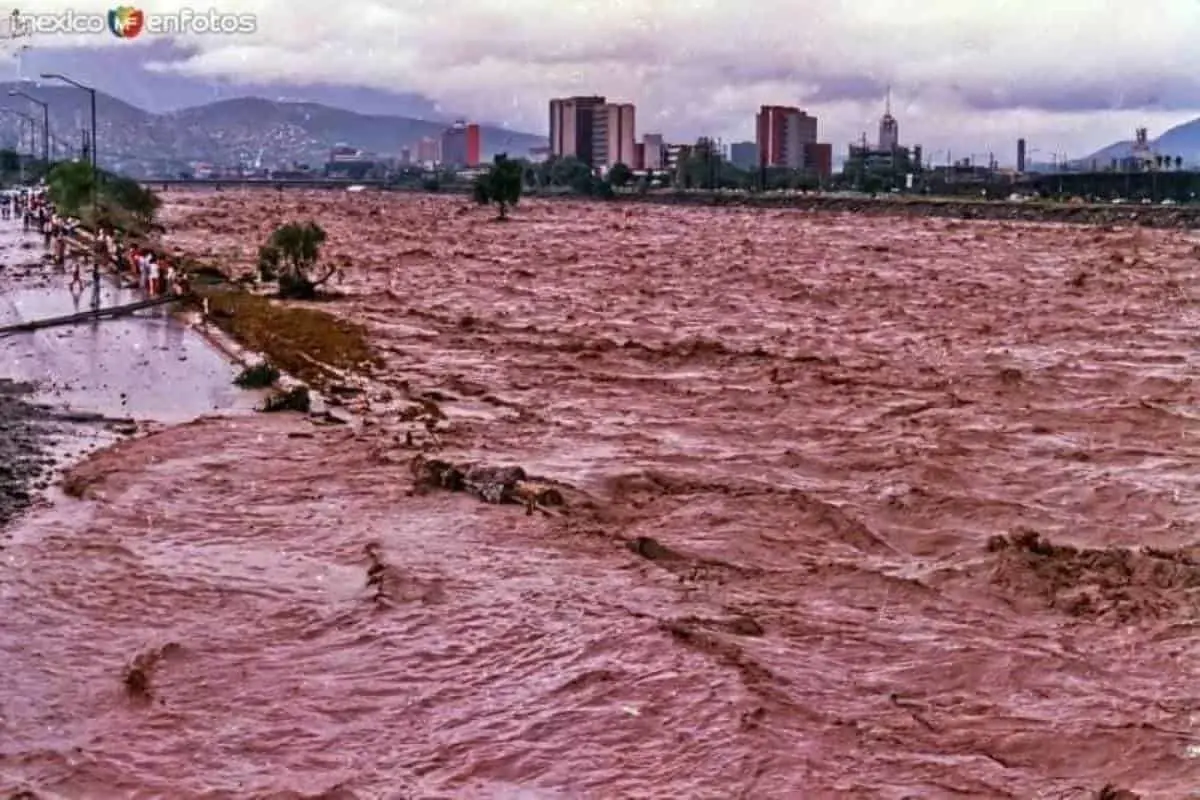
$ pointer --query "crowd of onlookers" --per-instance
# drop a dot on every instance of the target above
(155, 274)
(152, 272)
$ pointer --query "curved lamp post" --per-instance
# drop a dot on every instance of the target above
(54, 76)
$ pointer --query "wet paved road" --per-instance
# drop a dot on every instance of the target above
(147, 366)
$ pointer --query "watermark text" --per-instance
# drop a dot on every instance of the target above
(128, 22)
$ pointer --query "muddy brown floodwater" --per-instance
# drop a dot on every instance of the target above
(860, 508)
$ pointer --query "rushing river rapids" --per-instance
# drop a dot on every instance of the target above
(860, 508)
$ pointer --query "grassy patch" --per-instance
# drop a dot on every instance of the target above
(296, 340)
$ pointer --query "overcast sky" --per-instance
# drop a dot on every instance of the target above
(969, 76)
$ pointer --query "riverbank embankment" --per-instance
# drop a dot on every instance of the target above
(66, 391)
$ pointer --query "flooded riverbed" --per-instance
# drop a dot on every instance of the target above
(802, 437)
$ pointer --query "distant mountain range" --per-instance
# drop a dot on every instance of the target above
(1182, 140)
(227, 132)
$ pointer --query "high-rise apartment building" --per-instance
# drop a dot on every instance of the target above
(460, 145)
(474, 145)
(613, 135)
(783, 133)
(598, 133)
(571, 127)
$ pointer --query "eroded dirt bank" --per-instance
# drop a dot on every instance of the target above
(795, 444)
(24, 462)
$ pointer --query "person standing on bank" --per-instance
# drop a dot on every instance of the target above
(77, 274)
(155, 274)
(60, 244)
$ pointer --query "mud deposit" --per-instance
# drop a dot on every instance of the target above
(24, 464)
(851, 508)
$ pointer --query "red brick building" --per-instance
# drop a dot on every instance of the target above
(787, 138)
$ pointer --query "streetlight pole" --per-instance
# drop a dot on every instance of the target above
(54, 76)
(45, 123)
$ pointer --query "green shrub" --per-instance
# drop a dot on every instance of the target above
(257, 376)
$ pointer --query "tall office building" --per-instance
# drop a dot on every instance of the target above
(783, 132)
(571, 127)
(1020, 155)
(613, 135)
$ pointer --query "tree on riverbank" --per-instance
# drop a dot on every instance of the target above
(500, 185)
(291, 255)
(70, 186)
(121, 203)
(19, 168)
(620, 175)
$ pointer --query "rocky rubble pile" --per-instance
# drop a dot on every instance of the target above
(489, 484)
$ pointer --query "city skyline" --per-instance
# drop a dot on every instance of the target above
(968, 79)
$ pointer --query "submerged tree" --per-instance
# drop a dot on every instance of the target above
(291, 255)
(500, 185)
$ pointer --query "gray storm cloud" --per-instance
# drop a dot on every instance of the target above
(989, 68)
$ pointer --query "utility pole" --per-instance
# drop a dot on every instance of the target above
(21, 156)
